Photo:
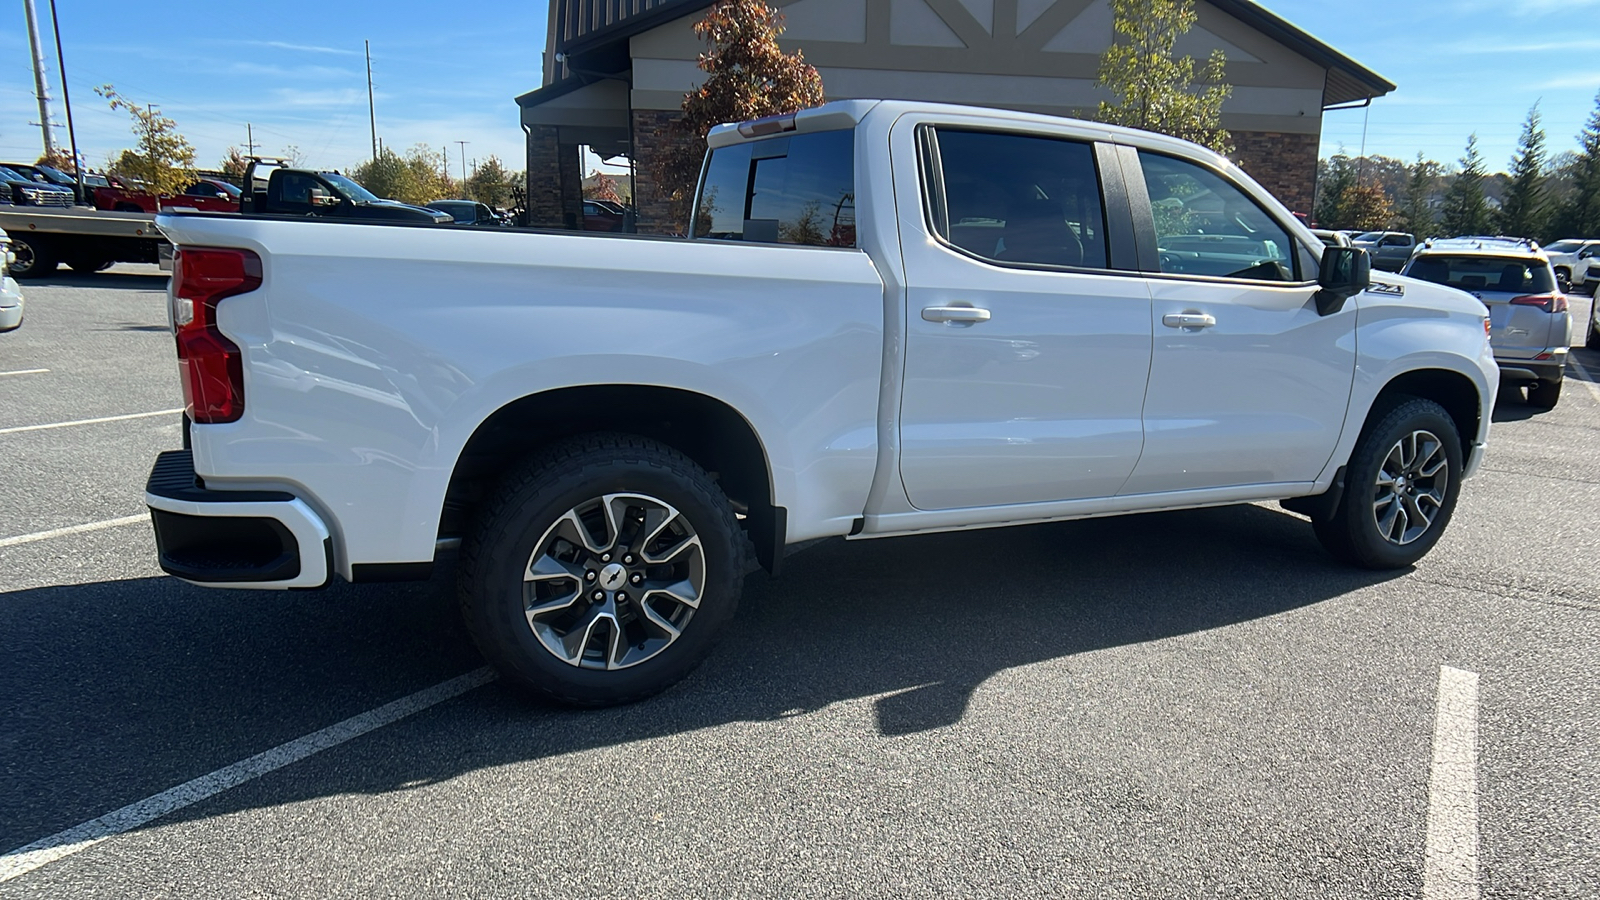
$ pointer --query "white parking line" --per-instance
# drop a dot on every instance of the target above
(1585, 377)
(1450, 871)
(25, 372)
(21, 428)
(72, 529)
(42, 852)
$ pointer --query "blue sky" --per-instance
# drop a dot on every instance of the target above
(443, 73)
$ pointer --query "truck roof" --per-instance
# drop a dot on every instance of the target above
(850, 113)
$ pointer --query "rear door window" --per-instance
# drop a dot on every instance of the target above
(795, 189)
(1021, 199)
(1485, 274)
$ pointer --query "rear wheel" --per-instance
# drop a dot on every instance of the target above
(1563, 279)
(34, 258)
(1545, 394)
(1403, 480)
(88, 263)
(604, 572)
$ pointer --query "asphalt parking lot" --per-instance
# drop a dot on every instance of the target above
(1196, 704)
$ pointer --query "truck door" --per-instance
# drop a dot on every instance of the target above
(1027, 326)
(1248, 384)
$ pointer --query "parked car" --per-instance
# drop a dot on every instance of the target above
(1390, 249)
(603, 215)
(273, 188)
(1569, 258)
(469, 212)
(10, 292)
(52, 175)
(607, 422)
(1530, 325)
(204, 194)
(27, 192)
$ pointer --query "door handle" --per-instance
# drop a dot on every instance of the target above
(966, 314)
(1188, 320)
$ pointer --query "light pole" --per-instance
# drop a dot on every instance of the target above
(463, 145)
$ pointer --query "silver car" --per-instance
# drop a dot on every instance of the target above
(1530, 327)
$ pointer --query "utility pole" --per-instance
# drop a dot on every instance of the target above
(372, 111)
(249, 134)
(40, 89)
(66, 97)
(463, 160)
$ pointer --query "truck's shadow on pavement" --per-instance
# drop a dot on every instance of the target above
(118, 690)
(138, 281)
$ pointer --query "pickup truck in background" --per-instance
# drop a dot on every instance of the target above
(1390, 250)
(275, 188)
(889, 318)
(205, 194)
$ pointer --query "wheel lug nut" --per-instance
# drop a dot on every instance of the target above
(598, 596)
(605, 557)
(628, 560)
(622, 595)
(589, 575)
(637, 578)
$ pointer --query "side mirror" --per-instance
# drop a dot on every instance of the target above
(1345, 272)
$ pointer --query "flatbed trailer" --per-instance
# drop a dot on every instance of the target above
(86, 240)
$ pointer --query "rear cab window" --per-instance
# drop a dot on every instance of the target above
(1480, 274)
(1020, 199)
(794, 189)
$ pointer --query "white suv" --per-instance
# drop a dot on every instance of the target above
(1570, 260)
(1530, 327)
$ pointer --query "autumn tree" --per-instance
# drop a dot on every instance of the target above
(1154, 90)
(604, 187)
(1465, 209)
(1580, 215)
(1366, 207)
(58, 158)
(234, 164)
(1523, 213)
(386, 175)
(490, 183)
(1416, 215)
(747, 77)
(164, 160)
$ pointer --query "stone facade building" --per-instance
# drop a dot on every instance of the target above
(615, 72)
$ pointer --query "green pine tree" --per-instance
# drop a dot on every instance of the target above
(1580, 215)
(1336, 177)
(1524, 212)
(1416, 215)
(1465, 209)
(1152, 89)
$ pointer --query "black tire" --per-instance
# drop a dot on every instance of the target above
(88, 265)
(1352, 534)
(1593, 340)
(1545, 394)
(127, 207)
(1563, 279)
(35, 258)
(521, 523)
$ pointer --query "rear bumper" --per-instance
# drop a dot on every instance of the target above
(1523, 371)
(239, 539)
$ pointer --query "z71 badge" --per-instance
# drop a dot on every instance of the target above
(1393, 290)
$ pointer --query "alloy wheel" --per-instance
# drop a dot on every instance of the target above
(1412, 483)
(614, 581)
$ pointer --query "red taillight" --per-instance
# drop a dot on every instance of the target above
(213, 372)
(1550, 303)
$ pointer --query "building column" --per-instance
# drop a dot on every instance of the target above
(544, 177)
(653, 131)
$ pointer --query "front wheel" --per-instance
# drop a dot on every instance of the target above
(1563, 280)
(34, 258)
(1402, 483)
(603, 572)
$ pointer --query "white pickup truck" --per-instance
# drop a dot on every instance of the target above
(890, 318)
